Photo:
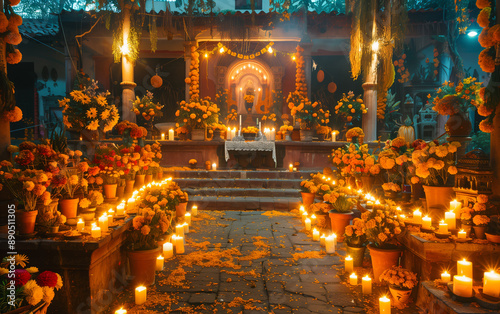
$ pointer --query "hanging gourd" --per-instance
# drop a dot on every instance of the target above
(332, 87)
(320, 76)
(156, 81)
(407, 131)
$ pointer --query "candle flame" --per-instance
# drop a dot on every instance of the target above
(140, 288)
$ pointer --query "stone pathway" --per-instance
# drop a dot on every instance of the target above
(253, 262)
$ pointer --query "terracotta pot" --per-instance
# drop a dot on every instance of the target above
(25, 221)
(323, 220)
(306, 135)
(142, 266)
(120, 191)
(180, 210)
(46, 212)
(129, 187)
(339, 222)
(437, 199)
(458, 125)
(417, 191)
(400, 296)
(139, 180)
(182, 136)
(198, 134)
(383, 259)
(357, 254)
(493, 238)
(110, 190)
(307, 198)
(69, 207)
(480, 232)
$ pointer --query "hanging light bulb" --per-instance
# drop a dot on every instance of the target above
(206, 55)
(293, 57)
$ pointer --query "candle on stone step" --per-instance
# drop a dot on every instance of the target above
(290, 167)
(186, 227)
(179, 244)
(464, 268)
(140, 295)
(334, 136)
(95, 231)
(121, 311)
(451, 220)
(443, 227)
(455, 205)
(179, 230)
(171, 134)
(462, 286)
(103, 222)
(491, 285)
(214, 166)
(315, 234)
(353, 279)
(120, 209)
(304, 216)
(417, 216)
(313, 219)
(349, 264)
(384, 304)
(163, 136)
(330, 243)
(445, 277)
(366, 285)
(294, 169)
(194, 210)
(168, 250)
(462, 234)
(159, 263)
(80, 225)
(322, 240)
(426, 222)
(302, 209)
(308, 224)
(187, 218)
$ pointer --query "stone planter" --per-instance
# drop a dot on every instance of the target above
(198, 134)
(306, 135)
(69, 207)
(383, 259)
(25, 221)
(339, 222)
(142, 266)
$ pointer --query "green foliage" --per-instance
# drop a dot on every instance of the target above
(58, 140)
(343, 204)
(392, 114)
(480, 140)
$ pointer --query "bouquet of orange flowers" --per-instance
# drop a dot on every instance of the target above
(146, 108)
(355, 234)
(308, 186)
(451, 99)
(383, 227)
(350, 107)
(434, 163)
(399, 277)
(198, 113)
(307, 113)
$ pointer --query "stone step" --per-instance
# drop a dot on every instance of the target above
(195, 183)
(238, 174)
(244, 203)
(282, 193)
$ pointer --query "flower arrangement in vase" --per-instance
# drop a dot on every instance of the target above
(434, 163)
(401, 282)
(480, 216)
(198, 113)
(383, 227)
(355, 235)
(306, 112)
(130, 132)
(146, 108)
(355, 135)
(232, 117)
(350, 107)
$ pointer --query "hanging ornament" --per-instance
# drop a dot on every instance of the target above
(320, 76)
(314, 65)
(156, 81)
(332, 87)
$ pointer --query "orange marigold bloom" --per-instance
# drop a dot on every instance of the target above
(486, 38)
(481, 4)
(483, 18)
(484, 111)
(486, 126)
(486, 61)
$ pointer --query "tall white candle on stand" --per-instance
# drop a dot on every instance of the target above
(171, 134)
(273, 134)
(214, 166)
(140, 295)
(451, 220)
(260, 126)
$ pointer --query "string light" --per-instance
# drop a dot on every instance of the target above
(293, 57)
(221, 50)
(375, 45)
(206, 55)
(270, 49)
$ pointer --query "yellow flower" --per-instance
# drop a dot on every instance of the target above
(93, 125)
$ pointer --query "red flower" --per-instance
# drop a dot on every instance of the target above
(25, 158)
(126, 171)
(47, 279)
(58, 181)
(137, 148)
(124, 151)
(27, 146)
(145, 167)
(119, 163)
(22, 277)
(44, 150)
(419, 144)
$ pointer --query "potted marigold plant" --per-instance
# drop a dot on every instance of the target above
(197, 114)
(149, 110)
(341, 212)
(308, 191)
(192, 163)
(401, 283)
(320, 210)
(307, 113)
(106, 158)
(480, 219)
(355, 240)
(89, 203)
(351, 108)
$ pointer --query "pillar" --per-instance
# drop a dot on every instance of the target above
(128, 85)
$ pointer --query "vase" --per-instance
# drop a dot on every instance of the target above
(307, 198)
(120, 191)
(139, 180)
(383, 259)
(192, 166)
(321, 137)
(217, 136)
(182, 136)
(458, 125)
(367, 183)
(480, 232)
(54, 229)
(180, 210)
(339, 222)
(288, 136)
(323, 220)
(129, 187)
(148, 179)
(142, 266)
(198, 134)
(25, 221)
(159, 175)
(357, 254)
(46, 212)
(306, 135)
(110, 190)
(69, 207)
(437, 199)
(400, 296)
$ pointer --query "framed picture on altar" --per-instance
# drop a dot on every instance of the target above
(247, 5)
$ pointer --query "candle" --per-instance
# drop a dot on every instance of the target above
(168, 250)
(349, 264)
(491, 284)
(366, 285)
(179, 244)
(426, 222)
(159, 263)
(171, 134)
(163, 136)
(194, 210)
(334, 136)
(302, 209)
(353, 279)
(95, 231)
(80, 225)
(187, 218)
(462, 286)
(451, 220)
(240, 121)
(294, 169)
(186, 227)
(315, 234)
(308, 224)
(313, 218)
(260, 126)
(455, 205)
(464, 268)
(121, 311)
(140, 295)
(462, 234)
(179, 230)
(330, 244)
(273, 134)
(120, 209)
(384, 305)
(322, 240)
(445, 277)
(417, 217)
(214, 166)
(290, 167)
(233, 133)
(103, 223)
(443, 227)
(304, 217)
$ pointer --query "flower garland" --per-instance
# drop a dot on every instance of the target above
(300, 74)
(223, 49)
(193, 78)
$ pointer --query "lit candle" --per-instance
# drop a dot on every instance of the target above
(163, 136)
(186, 227)
(179, 244)
(120, 209)
(159, 263)
(315, 234)
(426, 222)
(455, 205)
(273, 134)
(313, 219)
(308, 224)
(179, 230)
(290, 167)
(491, 285)
(168, 250)
(384, 304)
(349, 264)
(140, 295)
(103, 222)
(80, 225)
(322, 240)
(443, 227)
(353, 279)
(451, 220)
(214, 166)
(304, 217)
(334, 136)
(302, 209)
(294, 169)
(121, 311)
(187, 218)
(194, 210)
(417, 217)
(462, 286)
(445, 277)
(330, 243)
(366, 285)
(171, 134)
(95, 231)
(462, 234)
(464, 268)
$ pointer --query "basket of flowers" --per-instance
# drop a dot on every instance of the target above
(249, 133)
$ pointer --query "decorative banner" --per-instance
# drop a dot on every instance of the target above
(332, 87)
(320, 76)
(223, 49)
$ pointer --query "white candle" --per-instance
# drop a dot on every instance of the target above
(353, 279)
(426, 222)
(491, 285)
(194, 210)
(187, 218)
(322, 240)
(334, 136)
(315, 234)
(464, 268)
(384, 305)
(462, 234)
(163, 136)
(95, 231)
(214, 166)
(140, 295)
(179, 230)
(240, 122)
(260, 127)
(455, 205)
(366, 285)
(417, 217)
(103, 223)
(462, 286)
(171, 134)
(304, 217)
(159, 263)
(186, 227)
(290, 167)
(308, 224)
(233, 133)
(313, 219)
(443, 227)
(179, 245)
(330, 243)
(120, 209)
(168, 250)
(273, 134)
(445, 277)
(121, 311)
(80, 225)
(302, 209)
(349, 264)
(451, 220)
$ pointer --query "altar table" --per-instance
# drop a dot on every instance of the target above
(251, 146)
